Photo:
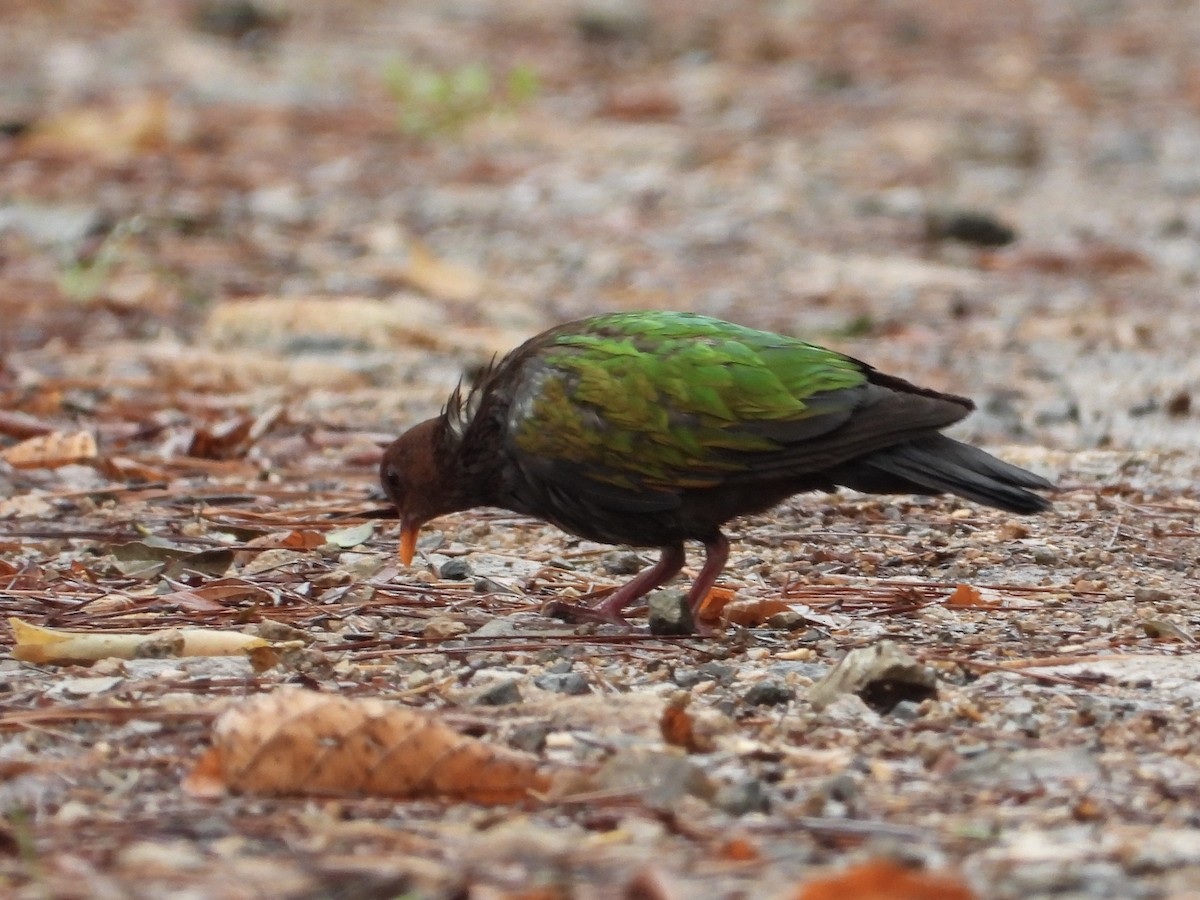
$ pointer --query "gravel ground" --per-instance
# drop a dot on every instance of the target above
(240, 247)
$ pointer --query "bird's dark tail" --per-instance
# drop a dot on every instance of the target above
(938, 464)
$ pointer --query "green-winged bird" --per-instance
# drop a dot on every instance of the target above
(651, 429)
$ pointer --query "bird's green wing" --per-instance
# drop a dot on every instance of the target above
(650, 404)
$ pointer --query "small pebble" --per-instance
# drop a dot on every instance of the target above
(1151, 595)
(569, 683)
(969, 227)
(718, 672)
(906, 710)
(530, 737)
(789, 620)
(457, 569)
(502, 693)
(742, 797)
(669, 613)
(621, 562)
(768, 692)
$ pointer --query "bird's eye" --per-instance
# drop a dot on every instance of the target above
(392, 477)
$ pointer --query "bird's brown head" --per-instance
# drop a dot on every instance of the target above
(417, 477)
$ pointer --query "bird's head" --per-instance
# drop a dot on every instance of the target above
(417, 477)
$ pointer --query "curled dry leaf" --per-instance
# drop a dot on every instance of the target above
(1165, 630)
(303, 742)
(714, 604)
(966, 596)
(885, 880)
(882, 674)
(49, 451)
(47, 645)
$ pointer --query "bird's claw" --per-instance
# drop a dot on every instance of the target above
(575, 614)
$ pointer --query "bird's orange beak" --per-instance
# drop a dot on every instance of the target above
(408, 541)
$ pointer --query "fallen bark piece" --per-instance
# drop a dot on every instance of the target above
(295, 741)
(36, 644)
(882, 675)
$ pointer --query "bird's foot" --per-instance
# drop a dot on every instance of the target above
(575, 614)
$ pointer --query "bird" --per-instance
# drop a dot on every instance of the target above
(654, 428)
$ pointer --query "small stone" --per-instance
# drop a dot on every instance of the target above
(1151, 595)
(457, 569)
(1179, 404)
(768, 692)
(490, 586)
(842, 788)
(969, 227)
(496, 628)
(502, 693)
(1059, 410)
(687, 678)
(669, 613)
(718, 672)
(742, 797)
(444, 628)
(788, 620)
(906, 710)
(571, 683)
(621, 562)
(530, 737)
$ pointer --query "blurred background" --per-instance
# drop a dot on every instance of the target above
(345, 205)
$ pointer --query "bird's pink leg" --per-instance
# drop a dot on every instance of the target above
(609, 609)
(665, 569)
(716, 555)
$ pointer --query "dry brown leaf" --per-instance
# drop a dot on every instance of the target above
(303, 742)
(885, 880)
(967, 597)
(22, 425)
(124, 468)
(676, 723)
(225, 440)
(305, 539)
(106, 134)
(1165, 630)
(49, 451)
(739, 848)
(749, 613)
(234, 437)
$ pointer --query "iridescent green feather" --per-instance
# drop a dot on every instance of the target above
(671, 400)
